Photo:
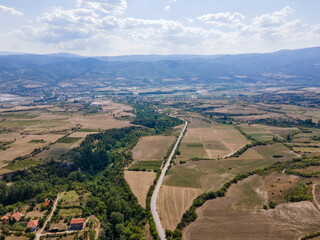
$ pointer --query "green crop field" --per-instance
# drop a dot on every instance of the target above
(69, 139)
(37, 141)
(146, 165)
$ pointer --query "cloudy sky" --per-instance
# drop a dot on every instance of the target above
(125, 27)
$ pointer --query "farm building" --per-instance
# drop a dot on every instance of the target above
(76, 223)
(4, 219)
(33, 225)
(16, 217)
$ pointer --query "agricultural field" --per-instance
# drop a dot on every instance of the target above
(36, 133)
(146, 165)
(152, 148)
(258, 132)
(140, 183)
(26, 145)
(243, 207)
(212, 174)
(99, 121)
(216, 141)
(173, 202)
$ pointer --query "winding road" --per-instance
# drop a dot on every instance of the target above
(153, 203)
(39, 233)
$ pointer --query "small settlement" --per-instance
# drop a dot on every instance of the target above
(27, 224)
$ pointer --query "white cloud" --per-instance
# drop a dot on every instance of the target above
(275, 19)
(12, 11)
(116, 7)
(88, 29)
(222, 18)
(167, 8)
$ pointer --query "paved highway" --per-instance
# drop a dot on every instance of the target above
(153, 203)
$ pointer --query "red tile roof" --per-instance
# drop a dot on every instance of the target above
(47, 203)
(77, 221)
(17, 216)
(5, 218)
(33, 224)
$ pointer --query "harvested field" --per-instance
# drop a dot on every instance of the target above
(101, 121)
(10, 136)
(267, 152)
(239, 216)
(152, 148)
(212, 174)
(258, 117)
(140, 183)
(237, 110)
(25, 146)
(173, 202)
(51, 117)
(258, 132)
(215, 142)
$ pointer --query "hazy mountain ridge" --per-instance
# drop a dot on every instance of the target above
(300, 66)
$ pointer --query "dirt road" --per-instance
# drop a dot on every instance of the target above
(153, 203)
(39, 233)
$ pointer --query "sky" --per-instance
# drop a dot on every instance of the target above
(128, 27)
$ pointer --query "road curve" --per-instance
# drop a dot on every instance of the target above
(40, 231)
(153, 203)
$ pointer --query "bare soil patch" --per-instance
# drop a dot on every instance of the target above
(140, 183)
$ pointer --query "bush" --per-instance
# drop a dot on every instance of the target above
(272, 205)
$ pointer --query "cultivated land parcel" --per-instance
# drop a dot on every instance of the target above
(220, 184)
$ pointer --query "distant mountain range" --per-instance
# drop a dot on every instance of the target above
(25, 72)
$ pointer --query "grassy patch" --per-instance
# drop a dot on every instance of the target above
(88, 130)
(37, 141)
(21, 164)
(19, 116)
(146, 165)
(69, 139)
(184, 177)
(70, 212)
(69, 196)
(195, 145)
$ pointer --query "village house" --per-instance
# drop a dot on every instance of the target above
(76, 223)
(16, 217)
(46, 203)
(5, 219)
(33, 225)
